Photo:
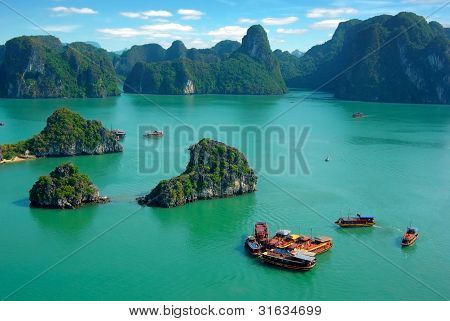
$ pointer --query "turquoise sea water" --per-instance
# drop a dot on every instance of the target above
(392, 164)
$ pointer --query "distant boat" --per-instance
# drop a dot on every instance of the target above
(410, 236)
(154, 133)
(358, 115)
(252, 246)
(2, 123)
(119, 133)
(327, 159)
(358, 221)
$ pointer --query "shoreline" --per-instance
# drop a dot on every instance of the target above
(18, 159)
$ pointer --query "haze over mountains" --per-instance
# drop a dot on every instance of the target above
(412, 65)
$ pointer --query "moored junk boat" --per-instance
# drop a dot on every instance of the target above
(315, 245)
(282, 239)
(255, 244)
(358, 115)
(119, 133)
(262, 233)
(295, 260)
(358, 221)
(252, 245)
(154, 133)
(410, 236)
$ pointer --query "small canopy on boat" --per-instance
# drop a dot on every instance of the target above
(323, 238)
(294, 236)
(412, 229)
(304, 257)
(283, 232)
(305, 252)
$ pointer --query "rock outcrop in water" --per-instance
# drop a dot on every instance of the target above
(214, 170)
(66, 134)
(64, 188)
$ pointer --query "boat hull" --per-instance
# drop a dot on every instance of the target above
(286, 264)
(343, 224)
(406, 242)
(252, 248)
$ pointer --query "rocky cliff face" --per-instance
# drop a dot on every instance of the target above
(67, 134)
(42, 67)
(64, 188)
(214, 170)
(400, 58)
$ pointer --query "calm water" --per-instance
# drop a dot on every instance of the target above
(392, 164)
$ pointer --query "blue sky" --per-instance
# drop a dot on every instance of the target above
(115, 25)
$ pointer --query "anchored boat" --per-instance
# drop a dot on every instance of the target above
(410, 236)
(295, 260)
(282, 239)
(252, 246)
(358, 115)
(358, 221)
(154, 133)
(256, 243)
(316, 245)
(119, 133)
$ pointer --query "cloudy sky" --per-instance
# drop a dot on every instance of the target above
(115, 25)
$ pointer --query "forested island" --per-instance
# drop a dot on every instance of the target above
(214, 170)
(65, 188)
(66, 134)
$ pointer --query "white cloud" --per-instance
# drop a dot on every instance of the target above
(330, 13)
(190, 14)
(146, 14)
(156, 30)
(292, 31)
(279, 21)
(228, 32)
(69, 10)
(60, 28)
(247, 20)
(326, 24)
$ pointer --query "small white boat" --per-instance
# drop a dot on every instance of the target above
(154, 133)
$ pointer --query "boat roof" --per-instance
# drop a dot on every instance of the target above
(323, 238)
(295, 236)
(413, 228)
(284, 232)
(305, 252)
(302, 256)
(366, 217)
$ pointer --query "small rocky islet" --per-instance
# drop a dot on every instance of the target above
(215, 170)
(64, 188)
(66, 134)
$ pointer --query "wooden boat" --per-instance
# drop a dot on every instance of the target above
(282, 239)
(410, 236)
(261, 233)
(253, 246)
(119, 133)
(293, 261)
(316, 245)
(358, 221)
(358, 115)
(154, 133)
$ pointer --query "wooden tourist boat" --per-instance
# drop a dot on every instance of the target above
(410, 236)
(261, 233)
(282, 239)
(154, 133)
(358, 221)
(119, 133)
(358, 115)
(253, 246)
(315, 245)
(290, 260)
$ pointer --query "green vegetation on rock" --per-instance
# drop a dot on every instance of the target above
(386, 58)
(66, 134)
(42, 67)
(214, 170)
(226, 68)
(64, 187)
